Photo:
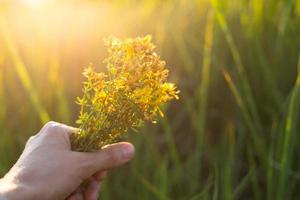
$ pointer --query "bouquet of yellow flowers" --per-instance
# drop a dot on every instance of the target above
(132, 91)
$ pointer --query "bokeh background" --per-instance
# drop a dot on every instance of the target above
(234, 133)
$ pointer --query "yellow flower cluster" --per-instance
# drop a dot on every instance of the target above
(132, 92)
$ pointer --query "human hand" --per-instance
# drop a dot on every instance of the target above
(48, 169)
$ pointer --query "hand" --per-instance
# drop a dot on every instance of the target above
(48, 169)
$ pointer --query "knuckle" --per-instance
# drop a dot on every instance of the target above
(30, 140)
(55, 128)
(50, 123)
(52, 127)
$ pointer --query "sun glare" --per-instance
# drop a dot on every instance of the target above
(34, 2)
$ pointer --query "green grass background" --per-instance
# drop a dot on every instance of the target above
(234, 133)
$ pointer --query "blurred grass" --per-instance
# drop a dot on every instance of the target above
(232, 135)
(22, 73)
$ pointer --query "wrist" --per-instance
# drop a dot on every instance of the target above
(11, 190)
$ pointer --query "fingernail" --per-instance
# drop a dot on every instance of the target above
(127, 152)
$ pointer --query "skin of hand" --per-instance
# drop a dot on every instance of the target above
(49, 170)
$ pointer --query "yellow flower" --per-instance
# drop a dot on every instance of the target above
(132, 92)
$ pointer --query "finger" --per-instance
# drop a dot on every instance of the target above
(76, 195)
(56, 133)
(109, 157)
(92, 190)
(57, 128)
(100, 176)
(52, 133)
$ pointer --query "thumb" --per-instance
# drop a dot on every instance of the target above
(108, 157)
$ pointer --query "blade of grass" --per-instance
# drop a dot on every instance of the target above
(205, 78)
(150, 142)
(105, 192)
(215, 194)
(174, 154)
(152, 188)
(257, 142)
(2, 95)
(58, 86)
(205, 191)
(228, 168)
(267, 73)
(243, 184)
(162, 177)
(270, 174)
(170, 142)
(200, 117)
(189, 105)
(258, 7)
(290, 126)
(286, 13)
(270, 171)
(254, 179)
(249, 99)
(182, 49)
(7, 143)
(23, 73)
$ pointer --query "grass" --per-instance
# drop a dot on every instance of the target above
(22, 73)
(232, 135)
